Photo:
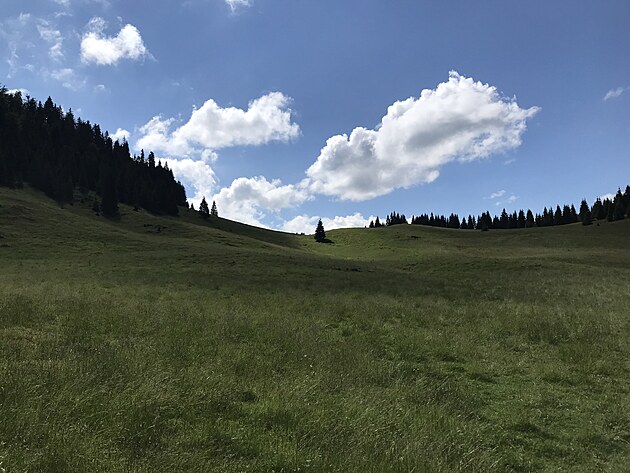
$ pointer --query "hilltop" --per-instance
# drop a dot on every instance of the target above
(183, 344)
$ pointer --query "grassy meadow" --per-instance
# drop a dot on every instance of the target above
(174, 344)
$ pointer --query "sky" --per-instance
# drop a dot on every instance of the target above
(287, 111)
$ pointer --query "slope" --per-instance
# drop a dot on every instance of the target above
(175, 344)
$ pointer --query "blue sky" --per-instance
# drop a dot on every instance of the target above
(284, 111)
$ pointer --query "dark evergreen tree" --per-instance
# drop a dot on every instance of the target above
(204, 211)
(213, 211)
(109, 203)
(521, 221)
(598, 211)
(584, 208)
(529, 219)
(619, 208)
(610, 210)
(320, 233)
(557, 218)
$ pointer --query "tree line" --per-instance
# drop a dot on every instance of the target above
(60, 155)
(608, 209)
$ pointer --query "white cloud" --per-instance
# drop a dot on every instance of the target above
(120, 135)
(99, 49)
(24, 92)
(496, 195)
(609, 196)
(53, 37)
(510, 200)
(235, 4)
(614, 93)
(100, 88)
(306, 224)
(459, 120)
(250, 200)
(212, 127)
(197, 175)
(68, 78)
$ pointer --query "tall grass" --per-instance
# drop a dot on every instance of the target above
(225, 348)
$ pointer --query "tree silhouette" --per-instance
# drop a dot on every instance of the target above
(203, 208)
(320, 233)
(213, 211)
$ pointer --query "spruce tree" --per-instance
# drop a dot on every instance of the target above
(529, 219)
(213, 211)
(203, 208)
(583, 210)
(320, 233)
(619, 210)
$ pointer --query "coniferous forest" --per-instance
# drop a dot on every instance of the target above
(608, 209)
(59, 154)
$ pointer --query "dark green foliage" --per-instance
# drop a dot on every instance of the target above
(56, 153)
(320, 233)
(213, 211)
(203, 208)
(585, 213)
(109, 203)
(529, 219)
(619, 206)
(612, 210)
(395, 219)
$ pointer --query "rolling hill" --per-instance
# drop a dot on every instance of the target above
(178, 344)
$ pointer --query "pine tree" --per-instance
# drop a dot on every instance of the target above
(610, 210)
(557, 218)
(529, 219)
(203, 208)
(213, 211)
(320, 233)
(521, 219)
(619, 210)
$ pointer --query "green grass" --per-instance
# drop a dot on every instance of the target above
(171, 344)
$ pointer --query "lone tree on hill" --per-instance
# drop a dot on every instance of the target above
(213, 211)
(320, 234)
(203, 208)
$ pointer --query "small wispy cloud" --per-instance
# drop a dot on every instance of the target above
(510, 200)
(236, 4)
(52, 36)
(496, 195)
(68, 78)
(614, 93)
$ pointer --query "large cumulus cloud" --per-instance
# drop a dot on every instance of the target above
(460, 119)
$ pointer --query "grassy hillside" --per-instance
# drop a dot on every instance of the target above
(171, 344)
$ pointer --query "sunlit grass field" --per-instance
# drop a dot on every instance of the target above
(175, 344)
